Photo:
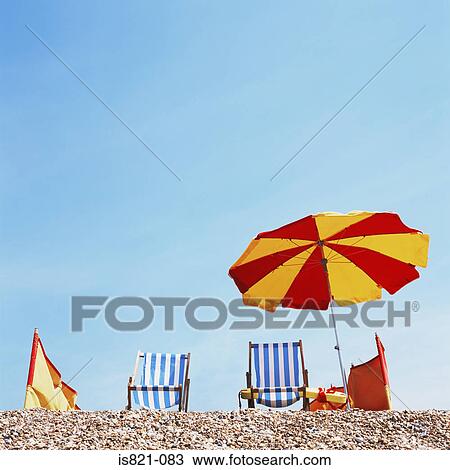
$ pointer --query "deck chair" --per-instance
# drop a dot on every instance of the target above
(280, 375)
(163, 381)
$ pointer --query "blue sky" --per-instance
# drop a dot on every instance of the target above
(224, 93)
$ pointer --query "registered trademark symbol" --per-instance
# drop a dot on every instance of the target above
(415, 306)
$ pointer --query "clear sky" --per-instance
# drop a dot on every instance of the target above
(224, 93)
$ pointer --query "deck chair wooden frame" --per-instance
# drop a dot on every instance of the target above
(183, 389)
(251, 401)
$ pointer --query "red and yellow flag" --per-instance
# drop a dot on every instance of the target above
(45, 389)
(368, 383)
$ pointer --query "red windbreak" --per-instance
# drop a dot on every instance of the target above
(309, 290)
(303, 229)
(383, 363)
(247, 274)
(387, 272)
(366, 388)
(377, 224)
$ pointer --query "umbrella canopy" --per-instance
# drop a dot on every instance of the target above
(328, 256)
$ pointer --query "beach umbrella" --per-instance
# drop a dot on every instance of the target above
(330, 259)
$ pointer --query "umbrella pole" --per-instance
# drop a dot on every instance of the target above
(337, 347)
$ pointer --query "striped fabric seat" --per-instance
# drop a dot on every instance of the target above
(277, 373)
(161, 378)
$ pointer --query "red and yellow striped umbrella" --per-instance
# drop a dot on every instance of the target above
(347, 258)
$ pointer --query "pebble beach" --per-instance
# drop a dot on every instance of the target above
(248, 429)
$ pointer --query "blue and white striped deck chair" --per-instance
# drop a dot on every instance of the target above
(280, 374)
(163, 381)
